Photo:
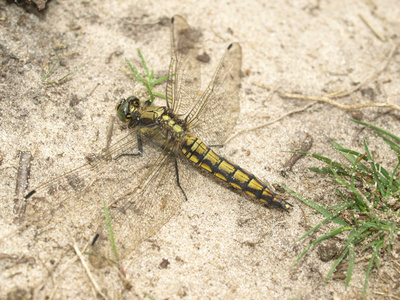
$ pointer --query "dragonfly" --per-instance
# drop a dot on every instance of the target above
(143, 175)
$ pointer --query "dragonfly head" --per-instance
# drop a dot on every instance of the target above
(127, 109)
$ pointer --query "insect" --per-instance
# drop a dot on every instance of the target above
(142, 175)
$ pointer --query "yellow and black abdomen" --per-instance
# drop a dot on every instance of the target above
(197, 152)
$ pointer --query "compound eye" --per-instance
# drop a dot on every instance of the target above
(123, 111)
(132, 100)
(119, 105)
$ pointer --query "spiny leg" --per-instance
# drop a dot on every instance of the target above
(140, 148)
(177, 178)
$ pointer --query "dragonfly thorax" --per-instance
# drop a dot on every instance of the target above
(147, 117)
(161, 117)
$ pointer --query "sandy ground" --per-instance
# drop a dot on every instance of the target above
(221, 244)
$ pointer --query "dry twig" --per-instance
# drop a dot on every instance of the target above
(377, 34)
(95, 285)
(328, 97)
(339, 105)
(270, 122)
(304, 147)
(22, 183)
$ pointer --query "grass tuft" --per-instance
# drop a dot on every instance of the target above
(50, 72)
(369, 205)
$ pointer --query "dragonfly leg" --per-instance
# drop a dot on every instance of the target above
(140, 148)
(177, 178)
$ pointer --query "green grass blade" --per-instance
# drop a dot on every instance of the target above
(384, 172)
(374, 255)
(331, 163)
(330, 234)
(340, 148)
(136, 74)
(322, 158)
(350, 240)
(335, 264)
(378, 129)
(60, 80)
(351, 259)
(48, 74)
(159, 95)
(393, 145)
(359, 199)
(375, 172)
(143, 63)
(392, 181)
(68, 74)
(354, 158)
(322, 171)
(331, 216)
(392, 230)
(316, 206)
(110, 231)
(160, 80)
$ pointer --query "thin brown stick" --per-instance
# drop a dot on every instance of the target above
(269, 123)
(94, 283)
(304, 147)
(269, 97)
(22, 183)
(388, 295)
(398, 270)
(377, 34)
(53, 292)
(110, 130)
(337, 104)
(328, 97)
(66, 266)
(373, 74)
(92, 91)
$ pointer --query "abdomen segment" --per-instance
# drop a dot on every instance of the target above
(197, 152)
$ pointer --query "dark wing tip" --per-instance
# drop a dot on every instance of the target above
(234, 46)
(172, 20)
(95, 239)
(30, 194)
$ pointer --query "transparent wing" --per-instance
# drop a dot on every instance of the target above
(215, 113)
(184, 78)
(212, 115)
(141, 192)
(52, 196)
(142, 211)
